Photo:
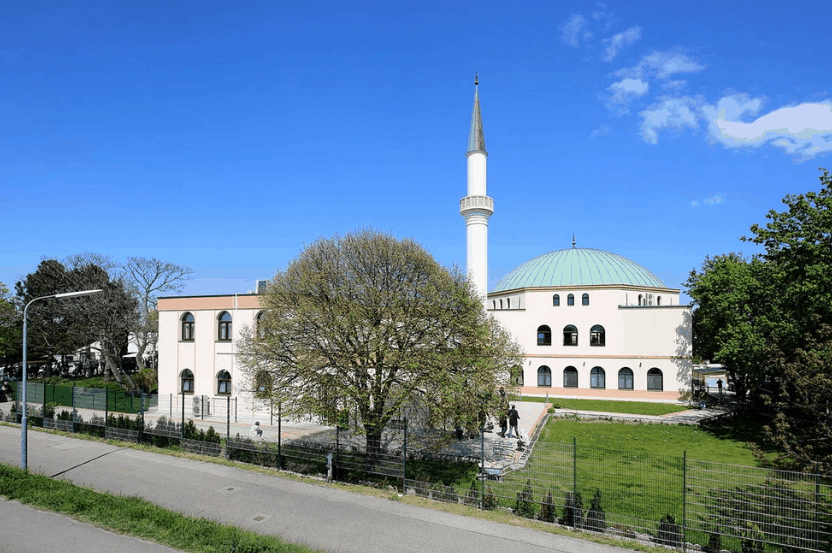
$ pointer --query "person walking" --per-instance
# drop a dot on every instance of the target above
(513, 417)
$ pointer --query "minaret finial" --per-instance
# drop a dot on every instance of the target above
(573, 239)
(476, 79)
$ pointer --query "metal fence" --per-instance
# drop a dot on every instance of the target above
(668, 500)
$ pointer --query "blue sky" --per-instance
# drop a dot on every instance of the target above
(227, 135)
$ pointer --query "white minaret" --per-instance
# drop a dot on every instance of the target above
(477, 207)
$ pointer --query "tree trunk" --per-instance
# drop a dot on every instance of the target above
(141, 343)
(373, 445)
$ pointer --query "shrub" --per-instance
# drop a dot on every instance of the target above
(573, 510)
(752, 538)
(714, 542)
(670, 533)
(490, 501)
(525, 506)
(596, 519)
(547, 508)
(473, 496)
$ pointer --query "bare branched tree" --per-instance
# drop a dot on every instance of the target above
(148, 278)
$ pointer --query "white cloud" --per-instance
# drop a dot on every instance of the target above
(600, 131)
(662, 64)
(574, 30)
(804, 130)
(669, 113)
(713, 200)
(625, 90)
(674, 86)
(614, 44)
(600, 14)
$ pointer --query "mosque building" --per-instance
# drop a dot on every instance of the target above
(591, 323)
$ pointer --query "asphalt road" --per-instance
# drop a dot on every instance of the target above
(321, 517)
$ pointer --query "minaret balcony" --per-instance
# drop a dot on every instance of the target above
(479, 203)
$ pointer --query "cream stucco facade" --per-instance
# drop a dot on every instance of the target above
(612, 333)
(199, 334)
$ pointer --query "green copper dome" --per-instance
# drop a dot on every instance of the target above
(577, 267)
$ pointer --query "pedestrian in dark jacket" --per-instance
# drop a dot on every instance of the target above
(513, 417)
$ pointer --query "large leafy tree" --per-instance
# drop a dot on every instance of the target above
(797, 246)
(101, 321)
(731, 321)
(9, 325)
(53, 330)
(373, 323)
(772, 317)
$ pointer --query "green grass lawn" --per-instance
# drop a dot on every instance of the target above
(610, 406)
(655, 439)
(637, 468)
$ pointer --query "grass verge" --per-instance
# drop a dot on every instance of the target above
(134, 516)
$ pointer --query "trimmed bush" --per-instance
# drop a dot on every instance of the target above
(596, 519)
(670, 533)
(573, 510)
(490, 502)
(547, 508)
(525, 506)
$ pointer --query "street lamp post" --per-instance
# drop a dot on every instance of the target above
(24, 421)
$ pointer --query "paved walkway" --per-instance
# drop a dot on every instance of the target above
(321, 517)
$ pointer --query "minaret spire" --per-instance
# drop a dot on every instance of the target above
(477, 207)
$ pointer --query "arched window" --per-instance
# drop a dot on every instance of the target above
(187, 327)
(544, 335)
(556, 300)
(493, 304)
(597, 336)
(658, 300)
(262, 385)
(187, 381)
(508, 303)
(585, 299)
(625, 379)
(544, 376)
(597, 378)
(258, 323)
(517, 376)
(570, 377)
(501, 304)
(224, 383)
(570, 335)
(639, 299)
(655, 380)
(224, 326)
(570, 299)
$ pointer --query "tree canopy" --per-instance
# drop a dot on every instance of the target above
(101, 321)
(372, 323)
(9, 324)
(769, 320)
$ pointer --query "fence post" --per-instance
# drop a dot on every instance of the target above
(684, 498)
(482, 468)
(404, 459)
(337, 447)
(227, 417)
(183, 411)
(141, 414)
(106, 404)
(574, 468)
(202, 406)
(279, 432)
(170, 404)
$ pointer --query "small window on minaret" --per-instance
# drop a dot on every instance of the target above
(556, 300)
(570, 299)
(508, 303)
